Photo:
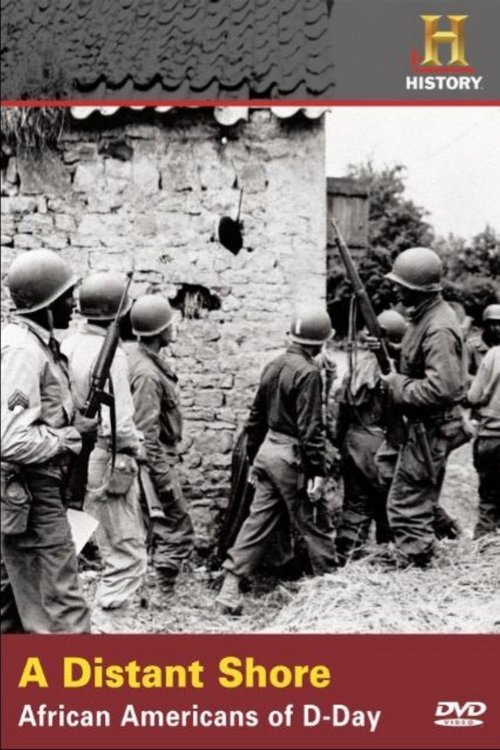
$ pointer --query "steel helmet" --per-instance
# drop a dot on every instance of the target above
(311, 325)
(151, 314)
(37, 278)
(100, 296)
(492, 312)
(393, 324)
(418, 268)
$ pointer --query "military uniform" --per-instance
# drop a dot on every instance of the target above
(429, 390)
(286, 444)
(41, 592)
(158, 416)
(360, 434)
(484, 395)
(112, 499)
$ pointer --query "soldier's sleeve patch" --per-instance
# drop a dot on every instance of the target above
(18, 398)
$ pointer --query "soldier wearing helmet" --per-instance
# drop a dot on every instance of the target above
(360, 433)
(429, 389)
(478, 345)
(41, 431)
(484, 396)
(158, 416)
(286, 445)
(112, 493)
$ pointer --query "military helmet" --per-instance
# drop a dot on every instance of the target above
(393, 324)
(492, 312)
(418, 268)
(100, 296)
(37, 278)
(151, 314)
(311, 325)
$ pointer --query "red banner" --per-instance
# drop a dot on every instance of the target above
(273, 691)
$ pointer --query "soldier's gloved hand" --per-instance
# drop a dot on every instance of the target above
(315, 487)
(390, 378)
(372, 343)
(251, 479)
(85, 426)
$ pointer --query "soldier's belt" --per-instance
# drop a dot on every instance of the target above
(437, 417)
(281, 437)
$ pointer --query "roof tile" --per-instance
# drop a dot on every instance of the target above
(189, 48)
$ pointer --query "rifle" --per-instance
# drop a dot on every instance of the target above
(396, 427)
(77, 483)
(151, 499)
(396, 430)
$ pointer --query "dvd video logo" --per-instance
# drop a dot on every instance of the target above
(456, 74)
(454, 714)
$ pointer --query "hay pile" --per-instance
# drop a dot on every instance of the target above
(460, 593)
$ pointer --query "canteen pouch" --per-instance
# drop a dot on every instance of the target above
(15, 500)
(120, 478)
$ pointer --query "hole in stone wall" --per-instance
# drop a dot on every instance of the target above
(116, 149)
(195, 301)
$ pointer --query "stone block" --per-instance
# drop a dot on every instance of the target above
(36, 224)
(65, 222)
(146, 175)
(19, 204)
(27, 242)
(55, 240)
(43, 176)
(80, 152)
(89, 177)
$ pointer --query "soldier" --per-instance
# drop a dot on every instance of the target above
(286, 445)
(112, 494)
(484, 395)
(429, 389)
(41, 431)
(360, 432)
(158, 416)
(478, 345)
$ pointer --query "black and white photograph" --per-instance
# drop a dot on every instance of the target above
(250, 369)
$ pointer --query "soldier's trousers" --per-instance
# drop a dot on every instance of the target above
(120, 536)
(279, 492)
(365, 496)
(172, 537)
(40, 587)
(414, 494)
(487, 464)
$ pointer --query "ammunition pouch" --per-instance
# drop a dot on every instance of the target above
(15, 500)
(120, 477)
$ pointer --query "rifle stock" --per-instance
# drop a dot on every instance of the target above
(151, 498)
(97, 395)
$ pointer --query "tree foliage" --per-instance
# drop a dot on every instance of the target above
(395, 224)
(472, 269)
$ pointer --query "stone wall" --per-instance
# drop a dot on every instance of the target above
(149, 189)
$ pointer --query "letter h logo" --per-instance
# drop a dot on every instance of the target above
(435, 37)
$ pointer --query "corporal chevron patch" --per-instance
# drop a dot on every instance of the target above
(18, 398)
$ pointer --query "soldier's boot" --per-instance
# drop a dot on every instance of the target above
(445, 527)
(119, 620)
(167, 578)
(229, 601)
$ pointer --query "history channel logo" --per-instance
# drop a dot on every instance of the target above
(444, 40)
(455, 714)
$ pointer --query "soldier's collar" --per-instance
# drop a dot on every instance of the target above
(294, 348)
(417, 311)
(37, 329)
(160, 361)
